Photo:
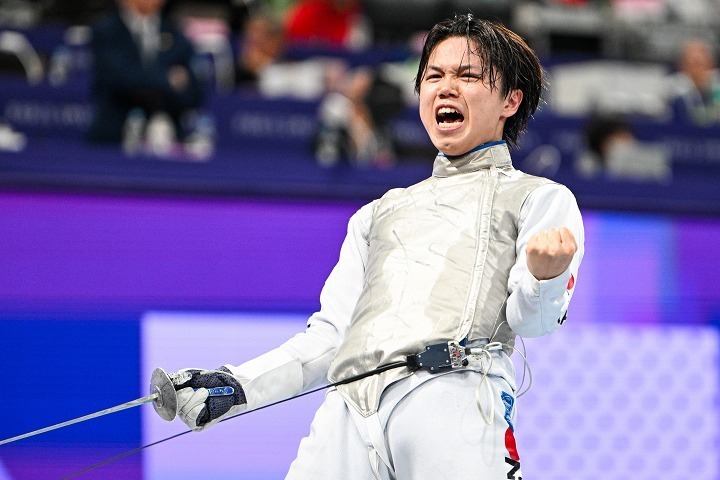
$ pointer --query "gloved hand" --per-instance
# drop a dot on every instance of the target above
(196, 407)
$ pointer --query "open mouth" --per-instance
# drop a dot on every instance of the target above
(448, 116)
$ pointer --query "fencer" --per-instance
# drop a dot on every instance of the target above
(458, 265)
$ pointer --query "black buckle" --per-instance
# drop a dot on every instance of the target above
(438, 357)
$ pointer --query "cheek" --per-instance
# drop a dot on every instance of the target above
(426, 109)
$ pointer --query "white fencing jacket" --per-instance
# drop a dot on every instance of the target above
(441, 260)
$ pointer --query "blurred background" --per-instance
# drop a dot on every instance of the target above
(175, 186)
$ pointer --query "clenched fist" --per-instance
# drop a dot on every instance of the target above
(550, 252)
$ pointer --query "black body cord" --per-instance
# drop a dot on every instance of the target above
(354, 378)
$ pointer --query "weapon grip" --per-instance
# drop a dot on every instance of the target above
(220, 391)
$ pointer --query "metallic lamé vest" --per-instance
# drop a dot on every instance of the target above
(440, 254)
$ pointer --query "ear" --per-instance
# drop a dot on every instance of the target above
(512, 103)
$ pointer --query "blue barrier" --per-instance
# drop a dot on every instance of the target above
(264, 147)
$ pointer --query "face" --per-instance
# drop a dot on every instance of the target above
(697, 62)
(458, 110)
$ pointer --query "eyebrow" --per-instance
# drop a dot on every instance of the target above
(460, 69)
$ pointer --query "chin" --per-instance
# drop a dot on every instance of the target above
(453, 145)
(451, 150)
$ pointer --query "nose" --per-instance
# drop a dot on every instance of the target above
(448, 87)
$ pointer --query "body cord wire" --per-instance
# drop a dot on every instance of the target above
(354, 378)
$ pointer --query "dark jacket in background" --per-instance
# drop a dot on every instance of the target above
(122, 82)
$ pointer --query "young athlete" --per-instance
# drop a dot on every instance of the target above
(433, 281)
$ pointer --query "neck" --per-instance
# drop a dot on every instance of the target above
(479, 147)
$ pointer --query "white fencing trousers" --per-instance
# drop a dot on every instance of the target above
(427, 427)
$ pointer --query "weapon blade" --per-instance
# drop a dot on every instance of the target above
(107, 411)
(162, 395)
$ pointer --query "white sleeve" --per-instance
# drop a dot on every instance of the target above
(302, 362)
(538, 307)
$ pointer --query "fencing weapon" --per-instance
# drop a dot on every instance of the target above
(162, 395)
(164, 398)
(164, 401)
(435, 358)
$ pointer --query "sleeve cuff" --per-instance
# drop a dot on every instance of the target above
(271, 377)
(553, 287)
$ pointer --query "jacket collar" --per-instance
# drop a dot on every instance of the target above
(484, 156)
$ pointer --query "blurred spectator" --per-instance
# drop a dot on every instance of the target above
(141, 69)
(695, 88)
(354, 118)
(639, 10)
(261, 45)
(327, 23)
(613, 151)
(602, 134)
(695, 12)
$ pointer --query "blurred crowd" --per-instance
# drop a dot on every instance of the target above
(153, 64)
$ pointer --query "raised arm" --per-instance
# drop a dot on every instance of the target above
(550, 247)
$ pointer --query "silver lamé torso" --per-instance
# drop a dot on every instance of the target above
(439, 258)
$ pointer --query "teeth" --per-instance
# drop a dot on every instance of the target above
(447, 110)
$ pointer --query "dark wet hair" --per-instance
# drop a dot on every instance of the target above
(507, 64)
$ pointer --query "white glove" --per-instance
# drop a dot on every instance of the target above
(197, 407)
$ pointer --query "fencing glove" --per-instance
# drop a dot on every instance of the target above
(196, 406)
